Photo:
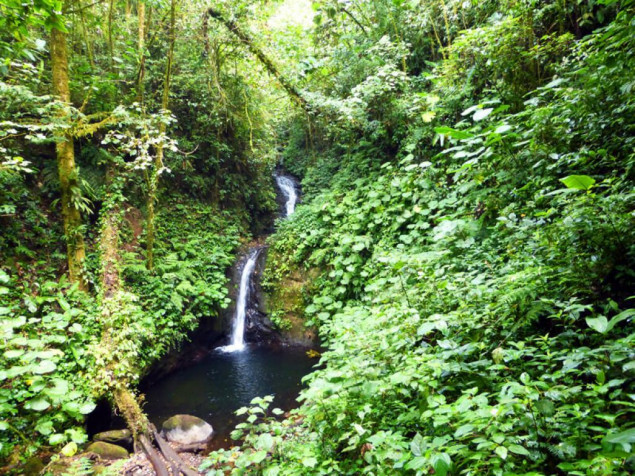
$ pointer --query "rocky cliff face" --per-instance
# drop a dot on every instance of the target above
(281, 299)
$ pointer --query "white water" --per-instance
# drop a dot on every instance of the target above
(238, 332)
(288, 189)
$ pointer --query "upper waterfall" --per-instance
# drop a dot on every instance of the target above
(288, 190)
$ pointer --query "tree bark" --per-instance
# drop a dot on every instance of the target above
(67, 170)
(158, 159)
(111, 46)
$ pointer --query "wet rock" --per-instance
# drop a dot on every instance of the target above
(187, 430)
(116, 437)
(107, 450)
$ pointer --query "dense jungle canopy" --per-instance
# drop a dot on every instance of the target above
(464, 247)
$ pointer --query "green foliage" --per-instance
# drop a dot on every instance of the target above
(467, 176)
(44, 365)
(476, 287)
(189, 283)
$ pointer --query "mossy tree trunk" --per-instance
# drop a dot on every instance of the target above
(120, 389)
(158, 159)
(67, 170)
(141, 15)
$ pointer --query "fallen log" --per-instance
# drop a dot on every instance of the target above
(177, 463)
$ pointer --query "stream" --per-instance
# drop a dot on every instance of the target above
(230, 376)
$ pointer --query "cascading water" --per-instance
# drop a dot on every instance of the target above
(238, 330)
(287, 186)
(288, 190)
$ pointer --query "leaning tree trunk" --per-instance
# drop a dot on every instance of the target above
(243, 36)
(68, 174)
(125, 400)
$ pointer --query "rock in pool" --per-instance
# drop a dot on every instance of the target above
(187, 430)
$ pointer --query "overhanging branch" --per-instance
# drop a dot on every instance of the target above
(262, 57)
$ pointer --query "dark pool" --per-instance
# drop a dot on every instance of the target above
(214, 388)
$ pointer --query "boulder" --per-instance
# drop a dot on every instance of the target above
(116, 437)
(187, 430)
(107, 450)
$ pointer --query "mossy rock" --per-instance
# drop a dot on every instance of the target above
(187, 429)
(107, 450)
(33, 466)
(116, 437)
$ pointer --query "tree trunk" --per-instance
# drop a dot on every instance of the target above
(158, 159)
(124, 399)
(141, 7)
(68, 174)
(111, 46)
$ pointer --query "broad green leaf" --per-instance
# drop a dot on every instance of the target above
(56, 439)
(619, 318)
(12, 354)
(578, 182)
(441, 463)
(519, 450)
(59, 389)
(501, 451)
(45, 367)
(37, 404)
(599, 324)
(86, 408)
(463, 430)
(482, 114)
(44, 427)
(627, 436)
(69, 449)
(264, 442)
(417, 445)
(258, 457)
(454, 133)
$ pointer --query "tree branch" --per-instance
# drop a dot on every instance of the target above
(264, 59)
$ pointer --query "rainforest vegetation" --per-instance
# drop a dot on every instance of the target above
(467, 224)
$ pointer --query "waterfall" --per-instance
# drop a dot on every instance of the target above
(288, 190)
(238, 331)
(287, 186)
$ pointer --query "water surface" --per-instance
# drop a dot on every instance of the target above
(216, 387)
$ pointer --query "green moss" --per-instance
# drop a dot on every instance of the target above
(285, 286)
(107, 450)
